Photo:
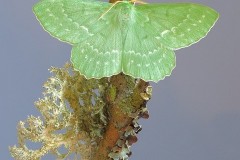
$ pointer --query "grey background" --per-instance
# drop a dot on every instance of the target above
(195, 113)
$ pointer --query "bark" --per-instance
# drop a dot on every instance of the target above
(119, 120)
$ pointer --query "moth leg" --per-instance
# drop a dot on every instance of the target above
(109, 9)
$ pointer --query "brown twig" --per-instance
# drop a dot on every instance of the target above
(118, 119)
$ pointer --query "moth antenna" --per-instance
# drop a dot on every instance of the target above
(109, 9)
(138, 1)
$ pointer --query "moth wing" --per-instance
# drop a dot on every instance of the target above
(100, 55)
(70, 21)
(178, 25)
(144, 56)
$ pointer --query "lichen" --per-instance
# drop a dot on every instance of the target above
(76, 113)
(71, 104)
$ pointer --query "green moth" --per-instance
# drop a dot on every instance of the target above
(134, 38)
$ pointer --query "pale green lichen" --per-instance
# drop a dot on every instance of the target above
(72, 106)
